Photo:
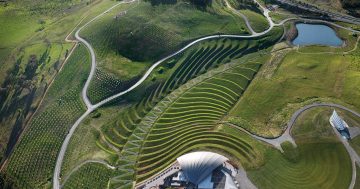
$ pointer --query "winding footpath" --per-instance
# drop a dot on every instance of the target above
(286, 135)
(248, 25)
(91, 107)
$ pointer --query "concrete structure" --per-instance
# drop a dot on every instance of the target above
(195, 170)
(197, 166)
(340, 125)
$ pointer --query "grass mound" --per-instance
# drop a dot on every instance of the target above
(145, 33)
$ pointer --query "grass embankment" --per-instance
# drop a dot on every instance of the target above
(319, 161)
(31, 164)
(130, 43)
(293, 80)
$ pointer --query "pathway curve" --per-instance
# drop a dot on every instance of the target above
(286, 136)
(91, 107)
(248, 25)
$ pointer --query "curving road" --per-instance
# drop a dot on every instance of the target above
(332, 15)
(91, 107)
(92, 53)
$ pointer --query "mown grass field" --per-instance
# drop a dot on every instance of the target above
(295, 80)
(319, 161)
(32, 162)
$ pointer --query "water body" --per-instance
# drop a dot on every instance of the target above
(316, 34)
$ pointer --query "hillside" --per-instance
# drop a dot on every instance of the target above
(135, 94)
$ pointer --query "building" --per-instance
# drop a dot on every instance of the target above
(196, 170)
(340, 125)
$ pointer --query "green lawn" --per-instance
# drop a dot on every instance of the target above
(320, 161)
(296, 80)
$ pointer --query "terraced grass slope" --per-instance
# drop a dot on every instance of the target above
(320, 161)
(123, 135)
(32, 162)
(189, 122)
(192, 63)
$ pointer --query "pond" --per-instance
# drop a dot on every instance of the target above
(316, 34)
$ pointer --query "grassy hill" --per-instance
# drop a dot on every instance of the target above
(128, 42)
(208, 55)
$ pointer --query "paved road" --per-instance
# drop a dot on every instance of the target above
(355, 159)
(91, 107)
(92, 53)
(333, 15)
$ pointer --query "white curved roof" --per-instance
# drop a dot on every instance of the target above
(196, 166)
(337, 121)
